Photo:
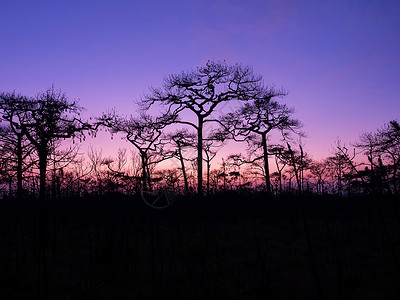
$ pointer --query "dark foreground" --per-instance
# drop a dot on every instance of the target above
(226, 247)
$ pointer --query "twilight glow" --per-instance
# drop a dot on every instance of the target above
(339, 60)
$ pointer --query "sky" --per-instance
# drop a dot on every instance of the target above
(339, 60)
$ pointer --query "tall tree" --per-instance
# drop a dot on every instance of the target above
(44, 119)
(12, 106)
(15, 155)
(254, 121)
(201, 92)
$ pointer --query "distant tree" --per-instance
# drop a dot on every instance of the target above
(144, 133)
(210, 146)
(371, 147)
(181, 140)
(300, 161)
(119, 175)
(342, 165)
(382, 149)
(389, 140)
(98, 167)
(59, 160)
(201, 92)
(254, 121)
(282, 159)
(318, 170)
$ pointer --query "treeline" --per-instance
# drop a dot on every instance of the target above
(227, 102)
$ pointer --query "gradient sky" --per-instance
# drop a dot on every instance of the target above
(339, 60)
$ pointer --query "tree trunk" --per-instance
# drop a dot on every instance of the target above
(301, 168)
(19, 167)
(208, 176)
(200, 157)
(394, 179)
(144, 172)
(53, 181)
(296, 171)
(183, 169)
(266, 164)
(43, 152)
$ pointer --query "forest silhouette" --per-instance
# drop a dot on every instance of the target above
(86, 226)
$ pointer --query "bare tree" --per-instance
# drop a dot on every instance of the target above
(181, 140)
(44, 119)
(211, 144)
(389, 140)
(255, 120)
(13, 137)
(341, 164)
(144, 133)
(201, 92)
(318, 170)
(282, 158)
(59, 160)
(382, 149)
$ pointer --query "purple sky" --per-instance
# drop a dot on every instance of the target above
(339, 60)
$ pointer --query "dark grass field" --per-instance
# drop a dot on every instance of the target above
(229, 246)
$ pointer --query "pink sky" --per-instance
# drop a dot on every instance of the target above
(339, 60)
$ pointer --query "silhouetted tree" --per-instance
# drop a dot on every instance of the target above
(282, 158)
(318, 170)
(13, 136)
(7, 160)
(202, 91)
(181, 140)
(59, 159)
(389, 141)
(341, 164)
(44, 119)
(371, 147)
(210, 145)
(295, 162)
(144, 133)
(254, 121)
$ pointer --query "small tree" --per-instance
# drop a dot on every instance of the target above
(144, 133)
(181, 140)
(299, 161)
(210, 146)
(282, 158)
(318, 170)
